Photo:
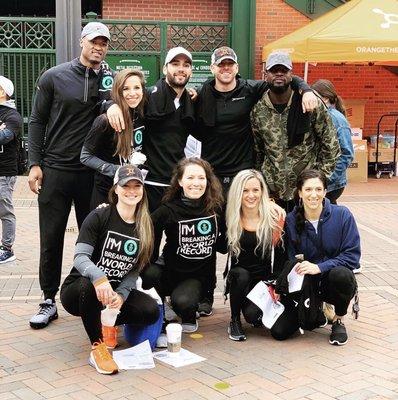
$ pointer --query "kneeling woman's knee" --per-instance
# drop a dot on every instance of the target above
(342, 279)
(150, 309)
(239, 276)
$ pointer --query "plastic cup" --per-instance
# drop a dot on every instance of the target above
(173, 333)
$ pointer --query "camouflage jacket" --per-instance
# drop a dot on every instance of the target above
(281, 165)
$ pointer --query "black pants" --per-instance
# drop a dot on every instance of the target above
(155, 195)
(334, 195)
(240, 284)
(59, 190)
(98, 197)
(79, 299)
(185, 292)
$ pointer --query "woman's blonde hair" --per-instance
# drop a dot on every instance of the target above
(123, 139)
(268, 222)
(144, 226)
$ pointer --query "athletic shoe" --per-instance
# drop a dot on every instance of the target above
(189, 326)
(109, 336)
(236, 331)
(161, 342)
(205, 308)
(47, 313)
(338, 336)
(357, 270)
(169, 314)
(6, 255)
(101, 359)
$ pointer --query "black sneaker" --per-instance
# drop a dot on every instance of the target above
(235, 330)
(338, 336)
(205, 308)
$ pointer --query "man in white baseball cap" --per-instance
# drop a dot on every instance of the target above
(7, 86)
(10, 129)
(67, 100)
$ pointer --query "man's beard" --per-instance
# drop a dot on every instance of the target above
(175, 84)
(278, 89)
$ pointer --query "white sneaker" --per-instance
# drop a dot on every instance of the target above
(357, 270)
(188, 327)
(47, 313)
(169, 313)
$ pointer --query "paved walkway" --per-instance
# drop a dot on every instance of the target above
(52, 363)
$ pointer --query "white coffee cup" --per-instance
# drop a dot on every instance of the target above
(109, 315)
(173, 332)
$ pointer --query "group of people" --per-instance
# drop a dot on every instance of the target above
(127, 145)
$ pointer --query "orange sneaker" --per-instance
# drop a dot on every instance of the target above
(101, 359)
(109, 336)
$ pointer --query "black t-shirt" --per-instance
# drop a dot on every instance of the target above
(251, 259)
(101, 142)
(191, 236)
(9, 151)
(115, 243)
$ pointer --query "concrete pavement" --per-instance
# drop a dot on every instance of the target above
(52, 363)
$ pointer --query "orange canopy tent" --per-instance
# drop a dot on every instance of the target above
(360, 31)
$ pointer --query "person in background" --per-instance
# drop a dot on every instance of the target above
(338, 180)
(115, 243)
(10, 129)
(105, 150)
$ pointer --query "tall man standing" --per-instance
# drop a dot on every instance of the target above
(10, 129)
(66, 104)
(287, 141)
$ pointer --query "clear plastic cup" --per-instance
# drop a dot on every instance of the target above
(173, 333)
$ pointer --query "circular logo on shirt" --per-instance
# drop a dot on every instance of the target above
(107, 82)
(138, 137)
(130, 247)
(204, 227)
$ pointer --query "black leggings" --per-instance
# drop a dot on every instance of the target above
(79, 299)
(185, 293)
(334, 195)
(240, 284)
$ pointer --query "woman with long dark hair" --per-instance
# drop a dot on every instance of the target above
(106, 150)
(338, 180)
(114, 245)
(254, 236)
(327, 237)
(190, 218)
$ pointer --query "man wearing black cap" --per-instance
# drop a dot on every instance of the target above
(67, 100)
(223, 115)
(287, 141)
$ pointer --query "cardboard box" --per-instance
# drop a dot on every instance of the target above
(358, 169)
(356, 133)
(385, 155)
(355, 111)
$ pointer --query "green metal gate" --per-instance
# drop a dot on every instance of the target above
(27, 48)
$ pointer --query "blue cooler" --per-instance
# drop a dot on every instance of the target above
(136, 335)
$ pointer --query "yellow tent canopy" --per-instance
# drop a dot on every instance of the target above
(360, 31)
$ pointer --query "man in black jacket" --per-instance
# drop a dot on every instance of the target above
(10, 129)
(67, 101)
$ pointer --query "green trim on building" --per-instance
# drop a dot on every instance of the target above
(243, 33)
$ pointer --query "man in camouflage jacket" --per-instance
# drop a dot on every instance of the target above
(287, 141)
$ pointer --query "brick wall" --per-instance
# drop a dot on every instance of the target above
(167, 10)
(375, 84)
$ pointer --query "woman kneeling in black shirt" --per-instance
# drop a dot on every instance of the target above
(113, 246)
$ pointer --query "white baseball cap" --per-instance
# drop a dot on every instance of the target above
(174, 52)
(7, 85)
(95, 29)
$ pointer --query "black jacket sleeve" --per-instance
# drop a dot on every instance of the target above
(39, 118)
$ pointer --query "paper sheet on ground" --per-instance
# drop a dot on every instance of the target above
(137, 357)
(295, 281)
(261, 297)
(183, 358)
